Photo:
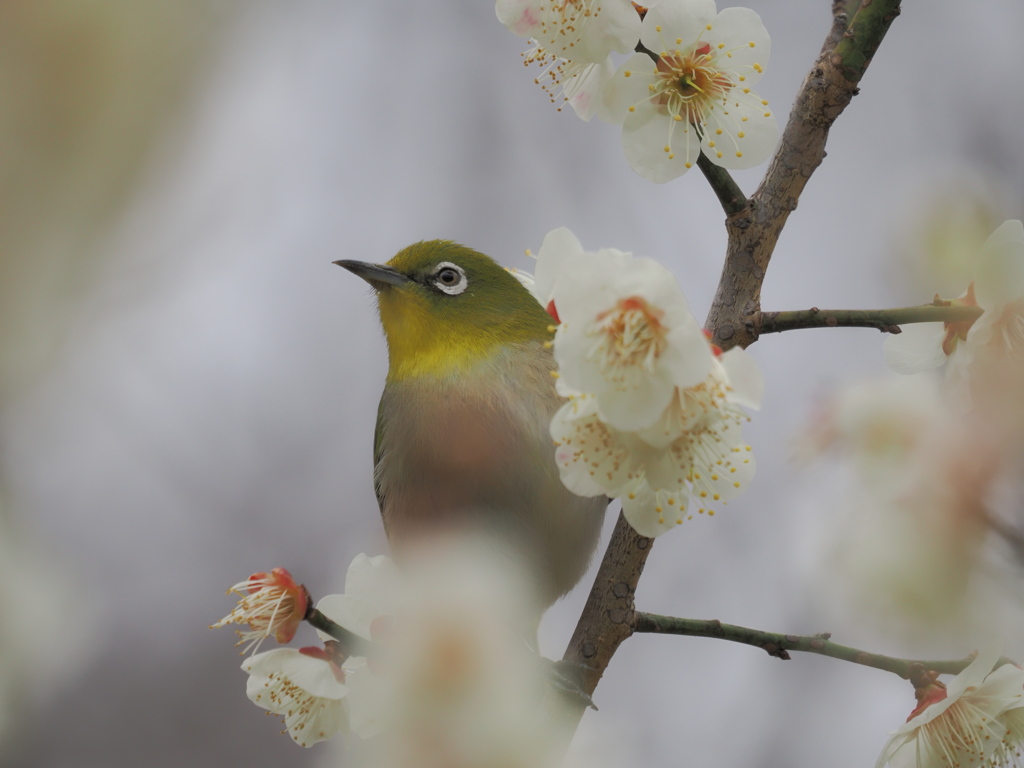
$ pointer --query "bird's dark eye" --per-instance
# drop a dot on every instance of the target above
(449, 278)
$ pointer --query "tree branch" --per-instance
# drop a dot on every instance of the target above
(607, 618)
(886, 320)
(779, 645)
(754, 231)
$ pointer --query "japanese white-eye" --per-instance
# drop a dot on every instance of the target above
(462, 442)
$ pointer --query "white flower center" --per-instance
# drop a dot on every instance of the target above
(627, 337)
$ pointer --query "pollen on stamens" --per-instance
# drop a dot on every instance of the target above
(740, 135)
(677, 118)
(689, 165)
(767, 114)
(719, 154)
(708, 27)
(751, 43)
(736, 484)
(658, 28)
(627, 73)
(632, 496)
(552, 328)
(555, 375)
(671, 155)
(764, 103)
(721, 46)
(679, 41)
(739, 154)
(632, 109)
(548, 344)
(711, 144)
(668, 148)
(718, 132)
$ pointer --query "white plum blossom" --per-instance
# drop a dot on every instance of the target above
(310, 687)
(307, 689)
(998, 288)
(974, 721)
(572, 41)
(697, 96)
(693, 456)
(271, 605)
(627, 336)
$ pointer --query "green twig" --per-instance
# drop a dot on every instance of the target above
(888, 320)
(779, 645)
(868, 27)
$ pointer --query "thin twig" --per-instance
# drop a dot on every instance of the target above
(779, 645)
(886, 320)
(726, 189)
(351, 643)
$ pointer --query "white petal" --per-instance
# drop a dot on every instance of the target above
(586, 91)
(736, 29)
(559, 247)
(521, 17)
(679, 19)
(311, 675)
(748, 135)
(650, 513)
(624, 90)
(647, 132)
(744, 378)
(592, 459)
(917, 348)
(615, 27)
(999, 272)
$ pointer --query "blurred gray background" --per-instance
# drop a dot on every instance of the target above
(189, 386)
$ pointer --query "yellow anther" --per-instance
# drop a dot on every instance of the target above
(627, 73)
(548, 344)
(552, 328)
(668, 148)
(740, 135)
(689, 165)
(708, 27)
(555, 375)
(739, 154)
(677, 118)
(718, 132)
(711, 144)
(751, 43)
(632, 109)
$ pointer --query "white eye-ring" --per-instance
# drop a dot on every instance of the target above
(449, 278)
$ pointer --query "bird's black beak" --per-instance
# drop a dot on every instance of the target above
(376, 275)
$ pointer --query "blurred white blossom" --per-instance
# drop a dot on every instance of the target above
(974, 721)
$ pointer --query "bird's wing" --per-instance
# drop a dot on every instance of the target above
(377, 454)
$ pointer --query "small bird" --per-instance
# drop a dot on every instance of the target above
(462, 441)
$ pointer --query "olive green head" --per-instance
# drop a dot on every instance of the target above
(445, 307)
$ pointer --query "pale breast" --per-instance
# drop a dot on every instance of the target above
(473, 452)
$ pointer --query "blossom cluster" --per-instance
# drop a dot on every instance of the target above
(438, 665)
(654, 410)
(687, 92)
